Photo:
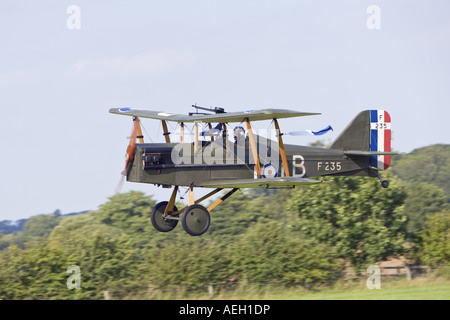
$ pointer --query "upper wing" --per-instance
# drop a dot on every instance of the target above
(252, 115)
(259, 183)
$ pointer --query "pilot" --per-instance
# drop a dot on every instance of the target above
(239, 136)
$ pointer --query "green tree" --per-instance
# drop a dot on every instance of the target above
(13, 274)
(130, 213)
(265, 253)
(361, 220)
(192, 262)
(234, 216)
(109, 264)
(37, 272)
(40, 225)
(428, 164)
(6, 240)
(435, 245)
(73, 231)
(126, 210)
(423, 198)
(107, 256)
(242, 210)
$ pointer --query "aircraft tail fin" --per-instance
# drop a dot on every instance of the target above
(369, 135)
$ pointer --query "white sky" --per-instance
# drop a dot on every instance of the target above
(61, 149)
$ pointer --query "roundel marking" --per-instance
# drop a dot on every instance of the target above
(269, 171)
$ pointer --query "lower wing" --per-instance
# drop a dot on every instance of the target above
(259, 183)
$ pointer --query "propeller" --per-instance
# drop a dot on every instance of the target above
(129, 155)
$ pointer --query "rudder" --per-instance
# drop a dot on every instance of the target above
(380, 138)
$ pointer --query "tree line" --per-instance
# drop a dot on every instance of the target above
(305, 236)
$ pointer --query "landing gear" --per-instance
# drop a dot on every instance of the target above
(159, 221)
(195, 220)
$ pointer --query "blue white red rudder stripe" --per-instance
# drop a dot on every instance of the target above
(380, 138)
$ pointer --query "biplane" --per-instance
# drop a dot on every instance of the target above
(249, 160)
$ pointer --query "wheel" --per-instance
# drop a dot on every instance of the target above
(158, 220)
(385, 183)
(195, 220)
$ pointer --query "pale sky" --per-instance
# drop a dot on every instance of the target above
(61, 149)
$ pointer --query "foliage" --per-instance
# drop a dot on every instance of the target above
(36, 227)
(361, 220)
(71, 234)
(436, 240)
(191, 263)
(40, 225)
(108, 265)
(429, 164)
(36, 272)
(126, 211)
(234, 216)
(129, 213)
(423, 199)
(300, 236)
(265, 252)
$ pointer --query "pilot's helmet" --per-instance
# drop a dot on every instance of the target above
(238, 133)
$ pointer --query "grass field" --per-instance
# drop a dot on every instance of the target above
(431, 292)
(417, 289)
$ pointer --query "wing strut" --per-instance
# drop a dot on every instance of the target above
(182, 131)
(254, 150)
(166, 132)
(282, 152)
(211, 131)
(195, 137)
(225, 137)
(139, 130)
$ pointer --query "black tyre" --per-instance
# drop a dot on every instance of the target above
(195, 220)
(158, 220)
(385, 183)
